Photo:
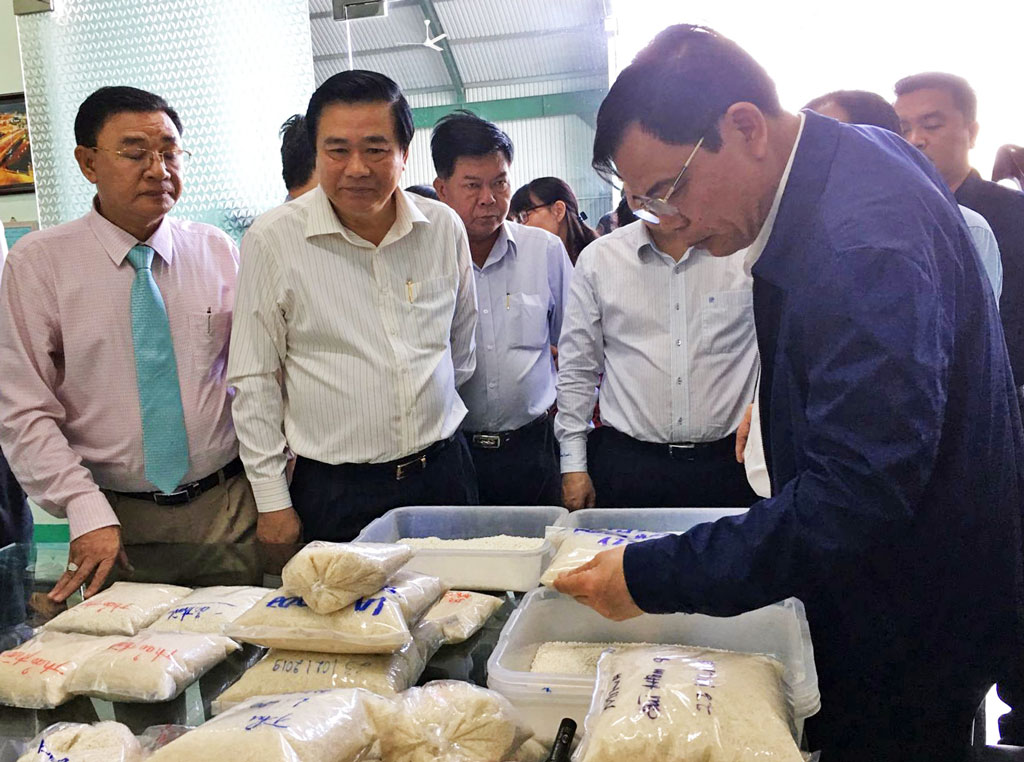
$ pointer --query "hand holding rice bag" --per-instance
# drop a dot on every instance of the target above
(75, 742)
(209, 609)
(578, 546)
(329, 576)
(451, 721)
(315, 726)
(680, 702)
(124, 608)
(376, 624)
(152, 666)
(460, 614)
(35, 675)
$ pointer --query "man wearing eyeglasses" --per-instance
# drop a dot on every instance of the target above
(893, 436)
(114, 408)
(672, 328)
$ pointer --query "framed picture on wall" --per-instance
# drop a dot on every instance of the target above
(16, 174)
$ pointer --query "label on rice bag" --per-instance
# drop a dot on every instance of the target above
(680, 702)
(35, 675)
(124, 608)
(152, 666)
(578, 546)
(209, 609)
(76, 742)
(329, 576)
(314, 726)
(461, 614)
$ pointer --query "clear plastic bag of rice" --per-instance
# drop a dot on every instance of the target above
(376, 624)
(450, 721)
(35, 675)
(577, 546)
(315, 726)
(461, 614)
(152, 666)
(680, 702)
(209, 609)
(329, 576)
(75, 742)
(282, 671)
(125, 608)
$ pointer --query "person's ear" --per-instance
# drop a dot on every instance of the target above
(439, 187)
(972, 130)
(745, 124)
(86, 158)
(558, 209)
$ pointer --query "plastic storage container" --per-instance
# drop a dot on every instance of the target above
(546, 615)
(645, 519)
(469, 569)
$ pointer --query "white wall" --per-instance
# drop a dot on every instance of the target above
(20, 206)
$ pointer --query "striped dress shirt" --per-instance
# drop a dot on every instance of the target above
(675, 342)
(370, 341)
(69, 403)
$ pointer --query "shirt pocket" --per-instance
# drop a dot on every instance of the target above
(430, 310)
(727, 321)
(209, 334)
(528, 322)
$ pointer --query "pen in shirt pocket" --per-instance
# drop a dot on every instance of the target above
(508, 296)
(408, 290)
(209, 319)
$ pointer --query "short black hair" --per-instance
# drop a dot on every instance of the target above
(677, 88)
(423, 190)
(108, 101)
(463, 133)
(863, 107)
(361, 86)
(297, 158)
(964, 99)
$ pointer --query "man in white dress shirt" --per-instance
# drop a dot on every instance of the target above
(522, 282)
(672, 329)
(361, 297)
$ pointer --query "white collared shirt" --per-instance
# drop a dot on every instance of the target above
(675, 342)
(522, 290)
(372, 341)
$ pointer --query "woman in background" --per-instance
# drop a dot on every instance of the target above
(550, 204)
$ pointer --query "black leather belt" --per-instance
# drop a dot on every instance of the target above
(493, 440)
(402, 467)
(685, 450)
(186, 493)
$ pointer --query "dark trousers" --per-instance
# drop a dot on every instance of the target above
(628, 473)
(15, 516)
(523, 470)
(335, 502)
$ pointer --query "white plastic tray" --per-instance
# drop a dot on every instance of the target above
(647, 519)
(470, 569)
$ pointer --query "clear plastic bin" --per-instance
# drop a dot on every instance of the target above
(546, 615)
(469, 569)
(646, 519)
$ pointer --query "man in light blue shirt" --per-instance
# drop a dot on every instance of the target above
(522, 278)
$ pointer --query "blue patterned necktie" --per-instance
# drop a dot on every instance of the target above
(164, 442)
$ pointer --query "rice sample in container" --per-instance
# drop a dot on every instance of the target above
(450, 721)
(574, 658)
(461, 613)
(76, 742)
(35, 675)
(329, 576)
(577, 546)
(377, 624)
(125, 608)
(209, 609)
(152, 666)
(282, 671)
(679, 702)
(315, 726)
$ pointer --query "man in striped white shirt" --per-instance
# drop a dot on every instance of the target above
(672, 329)
(522, 280)
(360, 299)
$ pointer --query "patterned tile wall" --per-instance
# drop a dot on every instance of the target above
(234, 71)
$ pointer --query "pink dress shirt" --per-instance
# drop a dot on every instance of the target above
(69, 405)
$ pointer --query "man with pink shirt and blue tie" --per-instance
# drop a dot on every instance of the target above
(114, 410)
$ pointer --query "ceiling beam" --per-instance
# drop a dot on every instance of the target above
(582, 103)
(557, 76)
(430, 13)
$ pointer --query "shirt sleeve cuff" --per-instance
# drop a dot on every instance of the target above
(271, 494)
(89, 512)
(573, 453)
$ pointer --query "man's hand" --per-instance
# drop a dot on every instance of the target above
(279, 527)
(578, 491)
(94, 554)
(601, 584)
(743, 433)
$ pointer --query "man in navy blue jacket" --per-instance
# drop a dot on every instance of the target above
(893, 438)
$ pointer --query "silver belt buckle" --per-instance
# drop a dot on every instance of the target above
(487, 441)
(682, 449)
(401, 468)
